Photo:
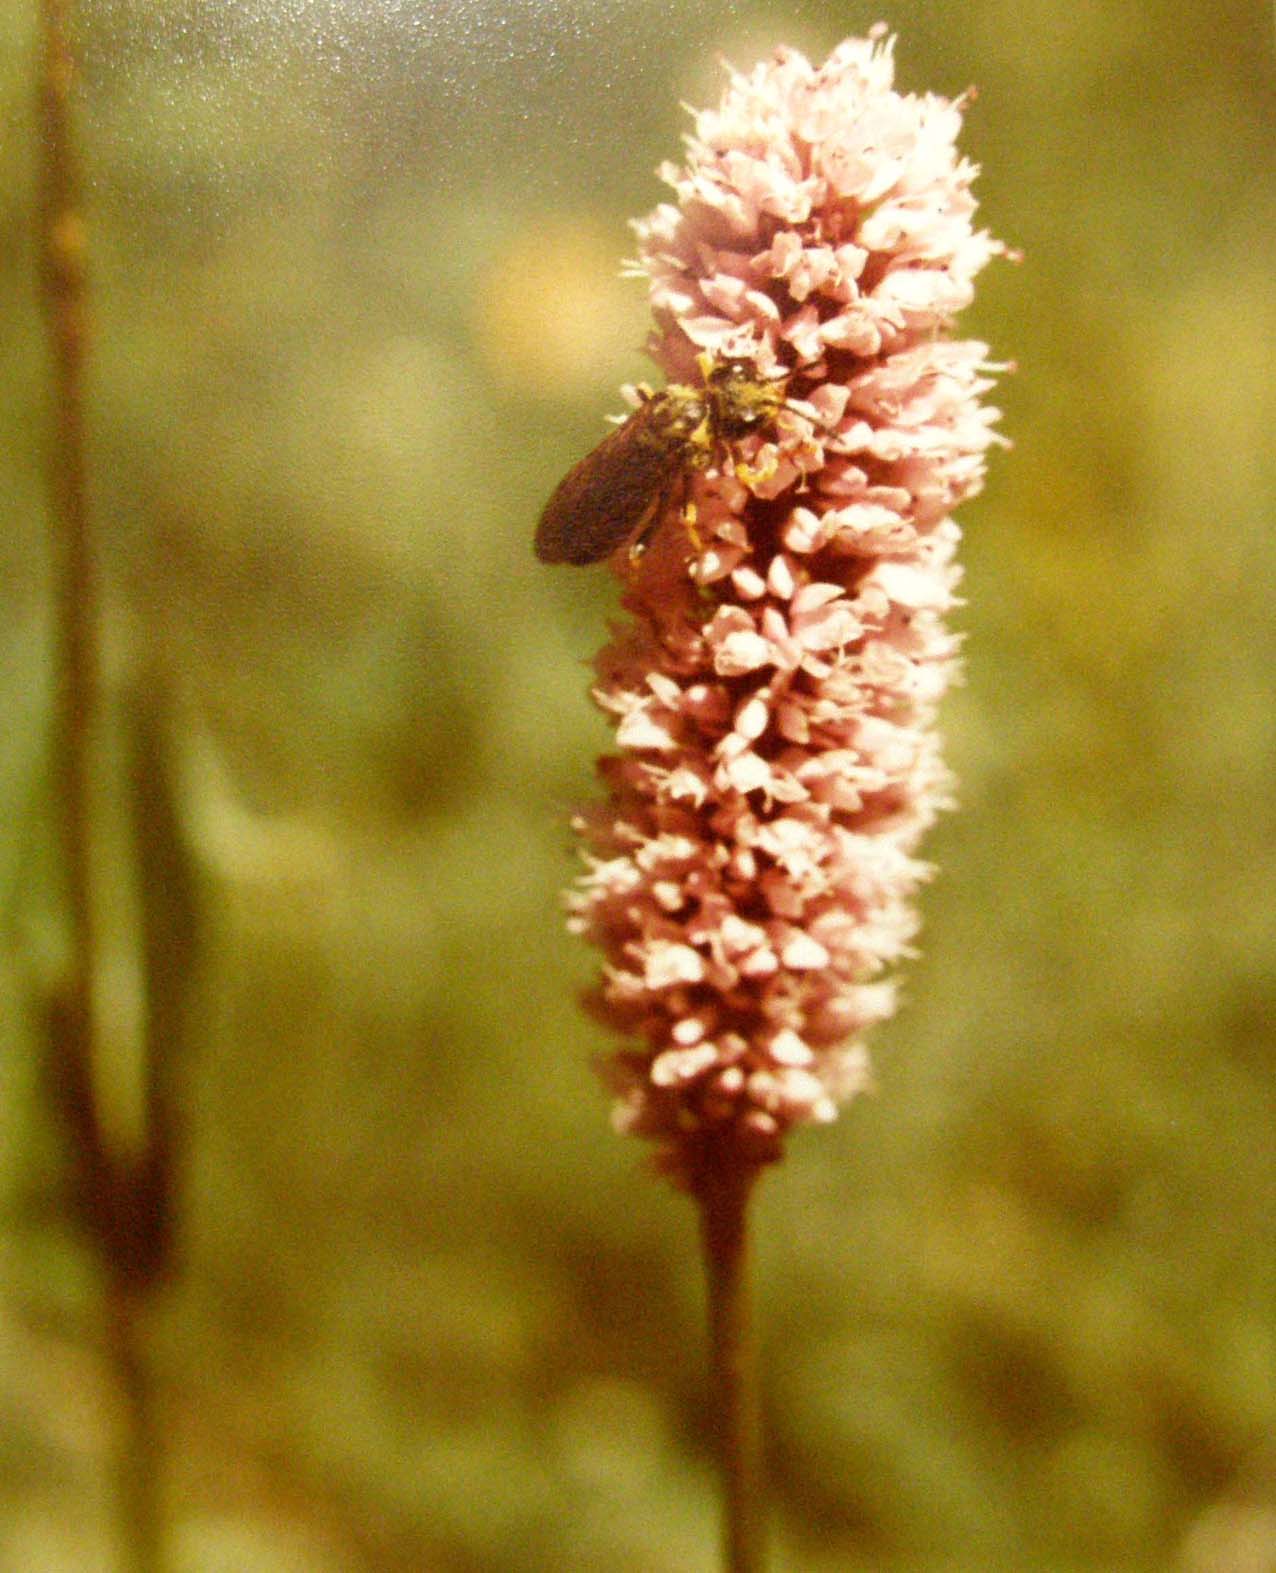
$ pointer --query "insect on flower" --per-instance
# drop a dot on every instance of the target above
(624, 488)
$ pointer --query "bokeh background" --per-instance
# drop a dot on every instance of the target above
(357, 303)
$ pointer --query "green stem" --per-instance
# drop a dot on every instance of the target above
(62, 259)
(723, 1190)
(76, 701)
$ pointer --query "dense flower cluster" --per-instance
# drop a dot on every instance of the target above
(750, 877)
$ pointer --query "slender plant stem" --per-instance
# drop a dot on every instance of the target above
(77, 657)
(137, 1501)
(62, 259)
(723, 1192)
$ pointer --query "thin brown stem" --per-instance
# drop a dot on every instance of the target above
(723, 1190)
(137, 1453)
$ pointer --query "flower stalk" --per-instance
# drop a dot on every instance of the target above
(723, 1188)
(751, 874)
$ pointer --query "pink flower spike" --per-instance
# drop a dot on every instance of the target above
(751, 875)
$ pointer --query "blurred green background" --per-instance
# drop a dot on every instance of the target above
(355, 281)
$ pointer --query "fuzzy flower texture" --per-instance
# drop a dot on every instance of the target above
(751, 876)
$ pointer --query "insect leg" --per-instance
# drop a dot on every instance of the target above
(655, 515)
(689, 517)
